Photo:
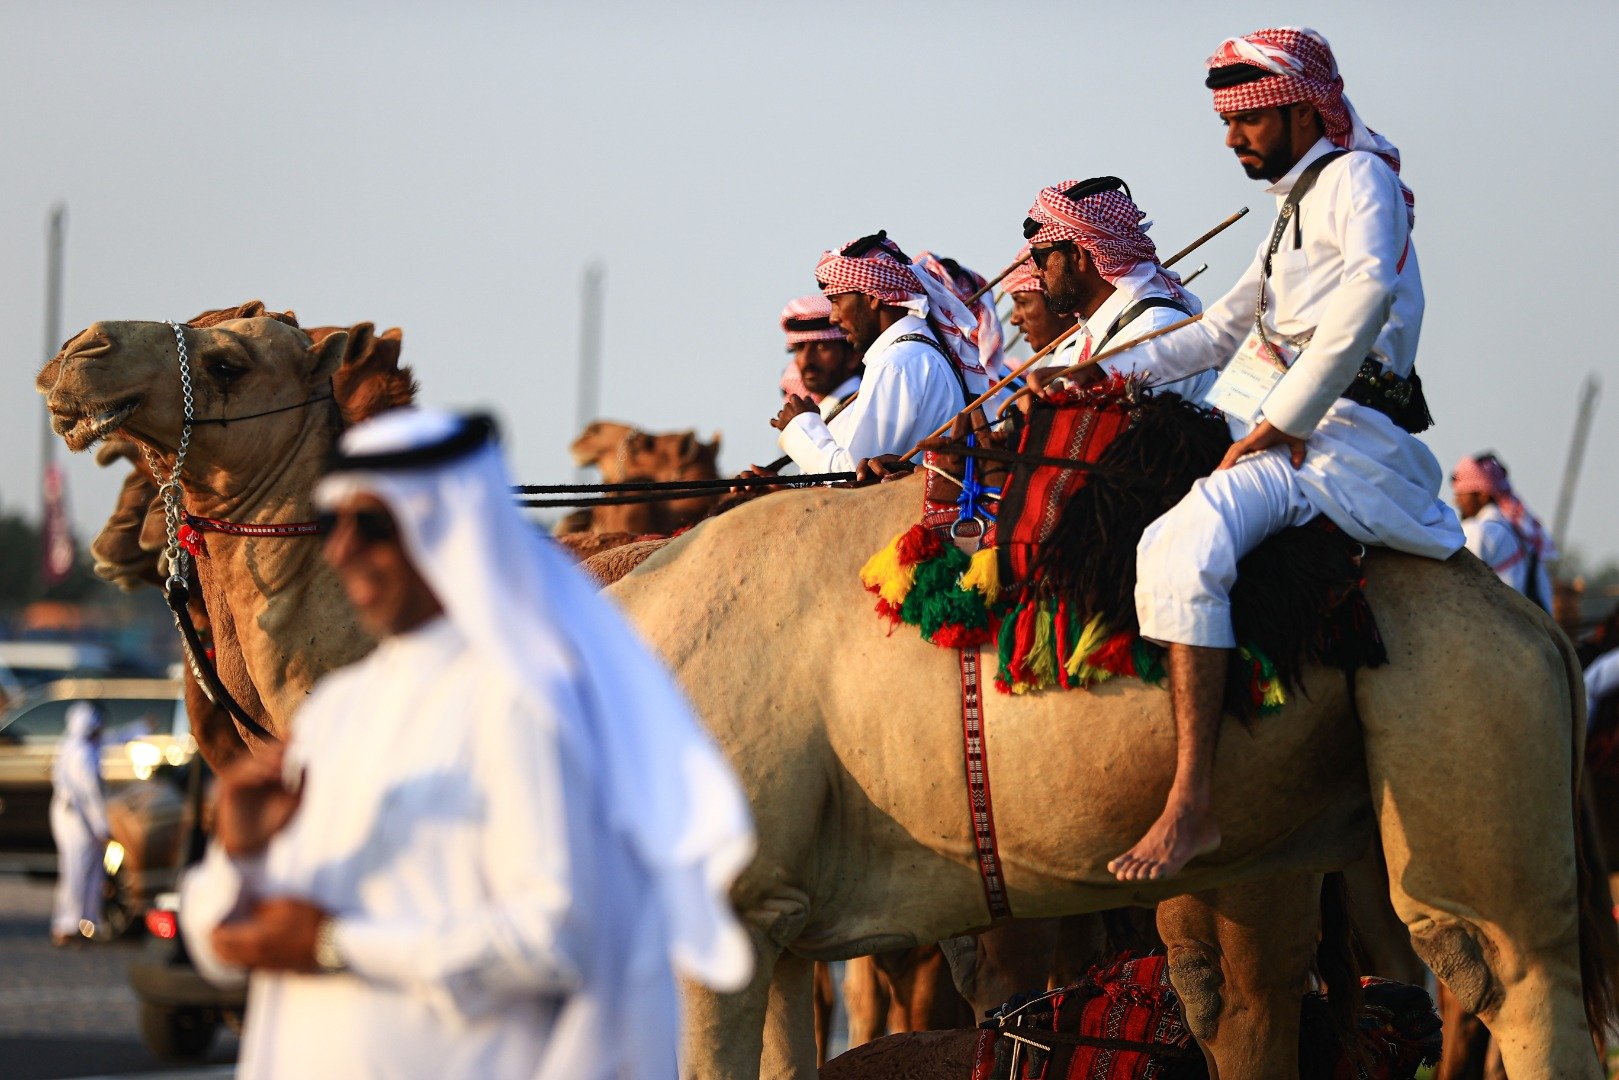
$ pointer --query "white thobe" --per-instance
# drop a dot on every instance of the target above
(908, 391)
(846, 389)
(79, 828)
(1503, 549)
(1089, 337)
(431, 826)
(1351, 289)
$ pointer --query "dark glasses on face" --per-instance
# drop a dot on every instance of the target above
(370, 526)
(1040, 255)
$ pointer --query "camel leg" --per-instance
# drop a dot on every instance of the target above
(1384, 942)
(826, 1000)
(1240, 959)
(865, 1000)
(789, 1032)
(1484, 874)
(724, 1033)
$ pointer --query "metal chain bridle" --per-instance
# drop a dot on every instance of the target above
(171, 489)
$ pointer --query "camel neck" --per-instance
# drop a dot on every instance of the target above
(278, 490)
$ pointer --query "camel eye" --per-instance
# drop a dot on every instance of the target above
(226, 373)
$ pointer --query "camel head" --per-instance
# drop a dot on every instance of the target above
(621, 452)
(124, 377)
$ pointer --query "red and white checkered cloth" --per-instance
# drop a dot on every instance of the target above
(965, 283)
(809, 319)
(883, 274)
(1303, 69)
(1023, 279)
(1487, 476)
(1109, 226)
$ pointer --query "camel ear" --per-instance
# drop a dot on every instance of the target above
(714, 443)
(327, 356)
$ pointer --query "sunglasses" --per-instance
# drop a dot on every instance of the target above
(1039, 255)
(370, 526)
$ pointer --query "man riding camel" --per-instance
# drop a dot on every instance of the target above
(1501, 530)
(1317, 341)
(1032, 312)
(921, 352)
(824, 366)
(1089, 246)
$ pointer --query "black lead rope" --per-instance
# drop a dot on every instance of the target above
(194, 420)
(178, 593)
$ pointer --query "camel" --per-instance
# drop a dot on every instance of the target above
(1463, 759)
(278, 618)
(623, 453)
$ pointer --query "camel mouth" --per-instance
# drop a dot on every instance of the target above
(83, 430)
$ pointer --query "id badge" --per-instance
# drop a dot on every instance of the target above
(1247, 381)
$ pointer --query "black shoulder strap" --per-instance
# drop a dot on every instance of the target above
(1290, 205)
(949, 362)
(1135, 311)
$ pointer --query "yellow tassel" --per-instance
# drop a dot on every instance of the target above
(1275, 696)
(984, 574)
(1090, 639)
(884, 573)
(1042, 660)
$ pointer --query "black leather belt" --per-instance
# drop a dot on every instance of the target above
(1401, 400)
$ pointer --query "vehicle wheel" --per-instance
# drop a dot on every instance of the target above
(177, 1033)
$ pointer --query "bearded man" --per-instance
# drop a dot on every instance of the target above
(489, 839)
(1089, 246)
(921, 353)
(1032, 312)
(1318, 341)
(826, 366)
(1500, 529)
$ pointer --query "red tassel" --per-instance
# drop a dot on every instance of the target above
(918, 545)
(1027, 617)
(957, 636)
(191, 540)
(887, 610)
(1117, 655)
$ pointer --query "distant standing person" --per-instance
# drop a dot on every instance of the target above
(79, 826)
(1501, 530)
(490, 840)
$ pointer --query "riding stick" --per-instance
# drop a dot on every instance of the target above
(1092, 361)
(1206, 237)
(1189, 278)
(997, 279)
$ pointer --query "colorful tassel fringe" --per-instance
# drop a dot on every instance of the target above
(956, 602)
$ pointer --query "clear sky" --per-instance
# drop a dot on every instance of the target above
(451, 169)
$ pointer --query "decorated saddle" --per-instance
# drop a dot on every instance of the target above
(1124, 1022)
(1052, 581)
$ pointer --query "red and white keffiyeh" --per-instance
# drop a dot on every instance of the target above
(1110, 227)
(1485, 475)
(1023, 279)
(809, 318)
(884, 273)
(1302, 68)
(967, 283)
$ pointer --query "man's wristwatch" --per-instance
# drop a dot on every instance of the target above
(327, 956)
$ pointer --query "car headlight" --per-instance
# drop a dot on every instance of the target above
(144, 757)
(114, 858)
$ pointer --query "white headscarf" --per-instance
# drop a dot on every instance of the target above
(677, 830)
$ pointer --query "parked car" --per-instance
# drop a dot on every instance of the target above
(147, 735)
(35, 663)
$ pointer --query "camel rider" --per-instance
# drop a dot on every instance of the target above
(1032, 312)
(1501, 530)
(1088, 244)
(972, 289)
(824, 367)
(1317, 343)
(922, 361)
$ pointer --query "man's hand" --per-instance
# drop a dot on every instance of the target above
(1263, 437)
(279, 935)
(883, 467)
(754, 489)
(254, 804)
(796, 405)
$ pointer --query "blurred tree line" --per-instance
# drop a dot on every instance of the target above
(21, 568)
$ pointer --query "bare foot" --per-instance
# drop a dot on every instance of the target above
(1181, 833)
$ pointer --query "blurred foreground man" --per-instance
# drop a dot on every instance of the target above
(1317, 348)
(485, 842)
(1501, 530)
(79, 826)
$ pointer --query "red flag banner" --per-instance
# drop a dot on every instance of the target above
(55, 533)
